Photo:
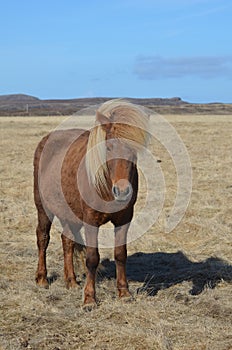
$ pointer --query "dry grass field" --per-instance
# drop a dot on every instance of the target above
(180, 281)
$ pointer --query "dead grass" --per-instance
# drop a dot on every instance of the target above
(195, 257)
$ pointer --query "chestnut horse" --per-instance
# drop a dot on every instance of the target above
(87, 178)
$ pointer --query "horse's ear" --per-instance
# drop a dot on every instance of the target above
(103, 120)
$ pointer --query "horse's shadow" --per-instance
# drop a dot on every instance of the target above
(162, 270)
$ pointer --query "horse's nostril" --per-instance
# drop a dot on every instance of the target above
(127, 190)
(116, 191)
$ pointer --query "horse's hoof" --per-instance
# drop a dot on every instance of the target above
(124, 293)
(89, 307)
(89, 303)
(71, 283)
(42, 282)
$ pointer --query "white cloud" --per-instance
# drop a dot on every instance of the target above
(205, 67)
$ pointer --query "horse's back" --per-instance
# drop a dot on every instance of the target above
(56, 142)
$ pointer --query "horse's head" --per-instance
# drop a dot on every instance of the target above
(121, 131)
(120, 161)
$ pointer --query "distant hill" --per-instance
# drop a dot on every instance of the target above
(23, 105)
(21, 98)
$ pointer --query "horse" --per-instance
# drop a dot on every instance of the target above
(88, 178)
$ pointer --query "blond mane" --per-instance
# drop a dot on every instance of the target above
(130, 125)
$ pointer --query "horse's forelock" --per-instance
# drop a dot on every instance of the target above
(96, 159)
(131, 121)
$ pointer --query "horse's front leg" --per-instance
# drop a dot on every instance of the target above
(120, 255)
(92, 261)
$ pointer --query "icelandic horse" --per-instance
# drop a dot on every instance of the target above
(87, 178)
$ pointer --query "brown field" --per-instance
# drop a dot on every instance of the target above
(196, 256)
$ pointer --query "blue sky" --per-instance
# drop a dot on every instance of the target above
(130, 48)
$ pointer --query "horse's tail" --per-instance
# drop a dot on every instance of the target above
(79, 258)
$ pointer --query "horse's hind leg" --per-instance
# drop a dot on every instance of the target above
(68, 241)
(43, 237)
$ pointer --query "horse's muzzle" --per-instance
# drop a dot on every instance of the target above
(122, 190)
